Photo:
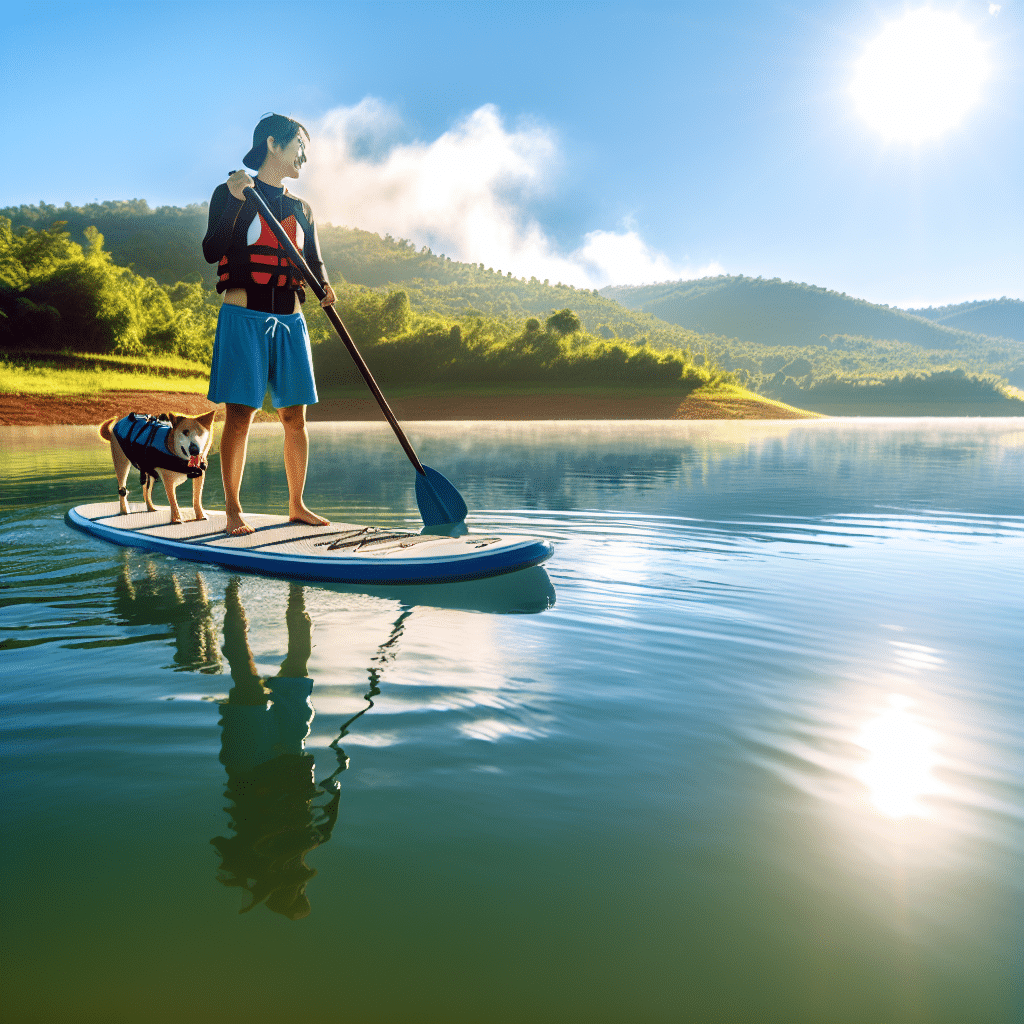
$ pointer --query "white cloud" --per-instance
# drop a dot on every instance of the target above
(622, 257)
(994, 9)
(465, 194)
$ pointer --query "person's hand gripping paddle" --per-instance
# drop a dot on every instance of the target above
(439, 502)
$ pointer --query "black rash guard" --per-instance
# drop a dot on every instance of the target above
(249, 254)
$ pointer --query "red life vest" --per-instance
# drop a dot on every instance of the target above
(265, 253)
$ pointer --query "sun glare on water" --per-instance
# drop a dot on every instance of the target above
(920, 76)
(900, 758)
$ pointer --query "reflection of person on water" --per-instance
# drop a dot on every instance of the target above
(264, 722)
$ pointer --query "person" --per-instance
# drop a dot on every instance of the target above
(277, 811)
(261, 338)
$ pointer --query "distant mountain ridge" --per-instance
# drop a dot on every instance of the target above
(784, 313)
(787, 331)
(998, 318)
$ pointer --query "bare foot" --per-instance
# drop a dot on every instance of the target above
(303, 515)
(236, 525)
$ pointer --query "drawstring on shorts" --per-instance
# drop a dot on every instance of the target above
(272, 325)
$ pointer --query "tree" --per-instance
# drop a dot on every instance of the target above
(12, 271)
(394, 313)
(564, 322)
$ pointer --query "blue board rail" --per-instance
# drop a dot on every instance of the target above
(336, 553)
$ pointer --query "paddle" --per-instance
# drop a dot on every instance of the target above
(439, 502)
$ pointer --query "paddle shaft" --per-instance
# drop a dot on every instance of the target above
(319, 291)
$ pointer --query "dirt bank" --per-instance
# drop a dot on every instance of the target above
(40, 410)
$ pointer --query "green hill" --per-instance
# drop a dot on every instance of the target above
(428, 317)
(163, 243)
(467, 326)
(783, 331)
(440, 286)
(998, 318)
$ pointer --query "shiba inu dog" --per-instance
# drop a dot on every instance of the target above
(171, 446)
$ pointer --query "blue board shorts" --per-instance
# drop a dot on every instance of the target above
(254, 351)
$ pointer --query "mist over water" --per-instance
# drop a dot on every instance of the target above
(746, 748)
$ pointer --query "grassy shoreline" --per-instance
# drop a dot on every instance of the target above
(64, 373)
(48, 394)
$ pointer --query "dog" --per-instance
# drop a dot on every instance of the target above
(171, 446)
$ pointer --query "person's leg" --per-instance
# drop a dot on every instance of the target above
(296, 459)
(234, 442)
(238, 378)
(300, 635)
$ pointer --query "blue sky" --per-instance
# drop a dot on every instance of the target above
(588, 142)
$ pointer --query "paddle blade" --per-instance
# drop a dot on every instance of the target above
(438, 500)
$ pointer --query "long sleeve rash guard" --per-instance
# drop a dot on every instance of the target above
(249, 254)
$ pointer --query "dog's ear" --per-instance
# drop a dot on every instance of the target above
(175, 418)
(206, 420)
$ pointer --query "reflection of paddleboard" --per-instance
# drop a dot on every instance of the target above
(339, 552)
(526, 591)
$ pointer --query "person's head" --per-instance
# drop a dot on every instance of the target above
(274, 134)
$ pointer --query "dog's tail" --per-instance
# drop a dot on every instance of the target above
(106, 431)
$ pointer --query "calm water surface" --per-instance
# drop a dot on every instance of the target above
(748, 748)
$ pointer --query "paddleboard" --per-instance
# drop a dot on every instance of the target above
(337, 553)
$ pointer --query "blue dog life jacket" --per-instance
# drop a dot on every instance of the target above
(143, 439)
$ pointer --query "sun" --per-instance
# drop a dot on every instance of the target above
(920, 76)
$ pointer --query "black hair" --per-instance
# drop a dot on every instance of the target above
(272, 126)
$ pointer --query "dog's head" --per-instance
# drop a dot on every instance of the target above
(191, 437)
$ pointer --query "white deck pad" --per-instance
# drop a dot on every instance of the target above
(338, 552)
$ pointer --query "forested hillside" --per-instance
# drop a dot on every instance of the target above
(163, 244)
(785, 335)
(65, 285)
(441, 286)
(843, 357)
(58, 296)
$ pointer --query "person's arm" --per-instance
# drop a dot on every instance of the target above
(225, 205)
(314, 260)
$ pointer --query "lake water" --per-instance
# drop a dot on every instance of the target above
(748, 748)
